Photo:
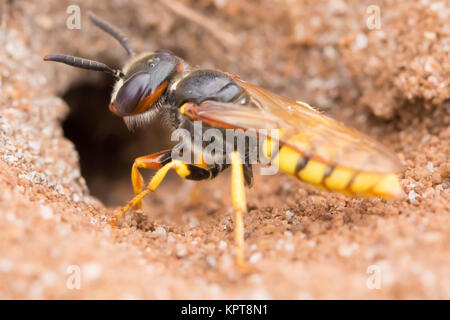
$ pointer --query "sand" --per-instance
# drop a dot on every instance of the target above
(65, 160)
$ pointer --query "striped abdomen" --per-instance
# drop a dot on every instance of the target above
(333, 178)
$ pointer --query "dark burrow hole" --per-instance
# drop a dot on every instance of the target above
(106, 147)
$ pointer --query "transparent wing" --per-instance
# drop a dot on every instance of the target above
(301, 127)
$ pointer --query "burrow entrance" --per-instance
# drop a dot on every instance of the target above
(105, 146)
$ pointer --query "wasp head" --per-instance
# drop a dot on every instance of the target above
(140, 86)
(140, 90)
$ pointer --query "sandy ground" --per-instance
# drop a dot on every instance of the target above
(392, 83)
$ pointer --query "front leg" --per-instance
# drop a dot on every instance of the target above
(184, 170)
(153, 161)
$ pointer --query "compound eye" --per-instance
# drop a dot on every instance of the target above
(132, 92)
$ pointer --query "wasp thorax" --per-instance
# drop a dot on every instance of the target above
(145, 80)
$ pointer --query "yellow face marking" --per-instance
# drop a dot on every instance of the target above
(364, 181)
(287, 159)
(339, 178)
(389, 187)
(313, 172)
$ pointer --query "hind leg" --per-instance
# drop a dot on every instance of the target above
(240, 207)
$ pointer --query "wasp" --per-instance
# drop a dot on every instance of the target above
(310, 146)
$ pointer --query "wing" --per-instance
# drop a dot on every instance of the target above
(302, 128)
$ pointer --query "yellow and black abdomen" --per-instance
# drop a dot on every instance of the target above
(334, 178)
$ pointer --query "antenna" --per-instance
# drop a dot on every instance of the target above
(112, 31)
(84, 64)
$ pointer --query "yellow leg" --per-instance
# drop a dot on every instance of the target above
(180, 167)
(138, 182)
(195, 194)
(240, 207)
(153, 161)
